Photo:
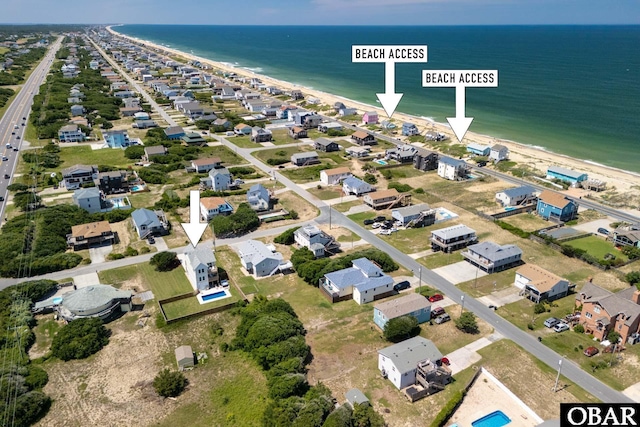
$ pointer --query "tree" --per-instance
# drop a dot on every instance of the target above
(365, 416)
(134, 152)
(17, 186)
(401, 328)
(26, 200)
(613, 337)
(286, 385)
(633, 277)
(165, 261)
(287, 237)
(80, 339)
(467, 323)
(169, 383)
(370, 178)
(341, 417)
(539, 308)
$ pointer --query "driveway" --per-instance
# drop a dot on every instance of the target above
(161, 244)
(502, 297)
(84, 280)
(466, 356)
(592, 226)
(459, 272)
(98, 255)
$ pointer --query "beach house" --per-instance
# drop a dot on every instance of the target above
(346, 111)
(174, 132)
(356, 186)
(334, 176)
(498, 153)
(206, 164)
(326, 127)
(71, 133)
(297, 132)
(556, 207)
(452, 169)
(516, 196)
(77, 110)
(154, 150)
(370, 117)
(219, 179)
(415, 216)
(451, 238)
(116, 138)
(258, 198)
(200, 267)
(326, 145)
(410, 129)
(401, 153)
(478, 149)
(259, 259)
(77, 176)
(411, 304)
(93, 234)
(425, 160)
(316, 240)
(259, 134)
(213, 206)
(305, 158)
(90, 199)
(566, 175)
(112, 182)
(242, 129)
(626, 237)
(491, 257)
(381, 199)
(432, 135)
(357, 151)
(539, 284)
(193, 139)
(362, 137)
(364, 282)
(149, 223)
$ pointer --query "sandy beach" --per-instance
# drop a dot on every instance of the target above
(623, 181)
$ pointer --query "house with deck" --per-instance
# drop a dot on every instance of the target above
(425, 160)
(401, 154)
(556, 207)
(381, 199)
(200, 267)
(370, 117)
(517, 196)
(566, 175)
(77, 110)
(452, 169)
(326, 127)
(259, 259)
(174, 132)
(358, 152)
(411, 304)
(116, 138)
(316, 240)
(347, 111)
(626, 237)
(491, 257)
(93, 234)
(356, 186)
(150, 223)
(242, 129)
(410, 129)
(71, 133)
(90, 199)
(420, 215)
(193, 139)
(259, 134)
(259, 198)
(478, 149)
(219, 179)
(364, 282)
(362, 137)
(432, 135)
(112, 182)
(77, 176)
(297, 132)
(206, 164)
(305, 158)
(214, 206)
(498, 153)
(334, 176)
(153, 150)
(538, 284)
(326, 145)
(452, 238)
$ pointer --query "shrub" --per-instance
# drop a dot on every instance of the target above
(80, 339)
(370, 178)
(513, 230)
(114, 256)
(402, 188)
(579, 328)
(293, 214)
(286, 385)
(419, 190)
(169, 383)
(144, 250)
(613, 336)
(401, 328)
(539, 308)
(276, 162)
(287, 237)
(129, 251)
(467, 323)
(165, 261)
(448, 409)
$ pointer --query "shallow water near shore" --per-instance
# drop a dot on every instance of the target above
(571, 90)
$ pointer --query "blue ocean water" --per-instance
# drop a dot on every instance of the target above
(573, 90)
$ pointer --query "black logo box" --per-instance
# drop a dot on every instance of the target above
(599, 414)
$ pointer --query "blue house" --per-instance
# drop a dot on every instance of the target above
(356, 186)
(567, 175)
(556, 206)
(478, 149)
(117, 139)
(174, 132)
(364, 282)
(409, 129)
(411, 304)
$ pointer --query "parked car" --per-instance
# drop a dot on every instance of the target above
(7, 176)
(493, 307)
(1, 198)
(402, 285)
(380, 218)
(561, 327)
(376, 225)
(385, 232)
(551, 322)
(5, 158)
(436, 297)
(151, 240)
(591, 351)
(442, 318)
(224, 283)
(368, 221)
(603, 231)
(437, 311)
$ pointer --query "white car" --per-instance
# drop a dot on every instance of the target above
(376, 225)
(385, 232)
(561, 327)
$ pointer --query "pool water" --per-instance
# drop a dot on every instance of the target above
(137, 188)
(381, 162)
(57, 300)
(494, 419)
(213, 296)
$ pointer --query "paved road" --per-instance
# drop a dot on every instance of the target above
(11, 123)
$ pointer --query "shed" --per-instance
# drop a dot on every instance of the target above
(354, 396)
(184, 357)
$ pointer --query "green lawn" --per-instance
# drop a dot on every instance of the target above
(228, 157)
(191, 305)
(243, 142)
(344, 207)
(84, 155)
(411, 240)
(358, 218)
(163, 284)
(488, 284)
(326, 193)
(440, 259)
(526, 221)
(306, 173)
(521, 314)
(596, 246)
(278, 153)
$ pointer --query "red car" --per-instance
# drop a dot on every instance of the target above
(436, 297)
(591, 351)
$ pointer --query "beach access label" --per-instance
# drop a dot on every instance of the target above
(460, 79)
(389, 54)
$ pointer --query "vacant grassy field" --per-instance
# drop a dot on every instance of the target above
(490, 283)
(228, 157)
(440, 259)
(163, 284)
(344, 207)
(243, 141)
(526, 221)
(327, 193)
(597, 246)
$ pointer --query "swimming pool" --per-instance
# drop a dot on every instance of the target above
(57, 300)
(137, 188)
(213, 296)
(494, 419)
(510, 208)
(381, 162)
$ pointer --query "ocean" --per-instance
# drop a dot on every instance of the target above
(573, 90)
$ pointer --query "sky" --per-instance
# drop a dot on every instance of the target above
(323, 12)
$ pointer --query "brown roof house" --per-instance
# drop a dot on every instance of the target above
(381, 199)
(92, 234)
(205, 165)
(361, 137)
(538, 284)
(604, 311)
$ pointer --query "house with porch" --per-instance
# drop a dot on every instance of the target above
(498, 153)
(193, 139)
(242, 129)
(358, 152)
(206, 164)
(93, 234)
(116, 138)
(213, 206)
(383, 199)
(71, 133)
(316, 240)
(411, 304)
(364, 282)
(452, 238)
(259, 198)
(112, 182)
(305, 158)
(326, 127)
(90, 199)
(420, 215)
(76, 176)
(452, 169)
(401, 153)
(604, 311)
(574, 178)
(222, 122)
(259, 134)
(150, 223)
(259, 259)
(478, 149)
(491, 257)
(297, 132)
(219, 179)
(362, 137)
(556, 207)
(326, 145)
(153, 150)
(517, 196)
(370, 117)
(425, 160)
(538, 284)
(410, 129)
(628, 237)
(356, 186)
(174, 132)
(347, 111)
(200, 267)
(334, 176)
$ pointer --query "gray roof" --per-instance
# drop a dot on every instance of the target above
(519, 191)
(453, 232)
(254, 251)
(91, 297)
(411, 210)
(498, 147)
(495, 252)
(592, 292)
(219, 171)
(615, 304)
(354, 396)
(367, 267)
(354, 182)
(406, 354)
(357, 277)
(324, 142)
(566, 172)
(402, 306)
(305, 155)
(146, 217)
(85, 193)
(201, 256)
(452, 162)
(79, 168)
(184, 352)
(257, 188)
(155, 149)
(173, 130)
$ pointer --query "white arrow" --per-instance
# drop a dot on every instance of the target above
(194, 228)
(389, 99)
(460, 124)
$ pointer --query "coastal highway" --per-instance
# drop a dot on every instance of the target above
(13, 122)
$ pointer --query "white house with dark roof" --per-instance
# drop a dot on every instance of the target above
(76, 176)
(200, 268)
(356, 186)
(364, 282)
(71, 133)
(491, 257)
(258, 258)
(316, 240)
(420, 215)
(516, 196)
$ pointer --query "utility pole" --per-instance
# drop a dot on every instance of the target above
(462, 309)
(555, 387)
(475, 283)
(329, 216)
(420, 283)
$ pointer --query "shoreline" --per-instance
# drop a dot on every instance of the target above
(533, 156)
